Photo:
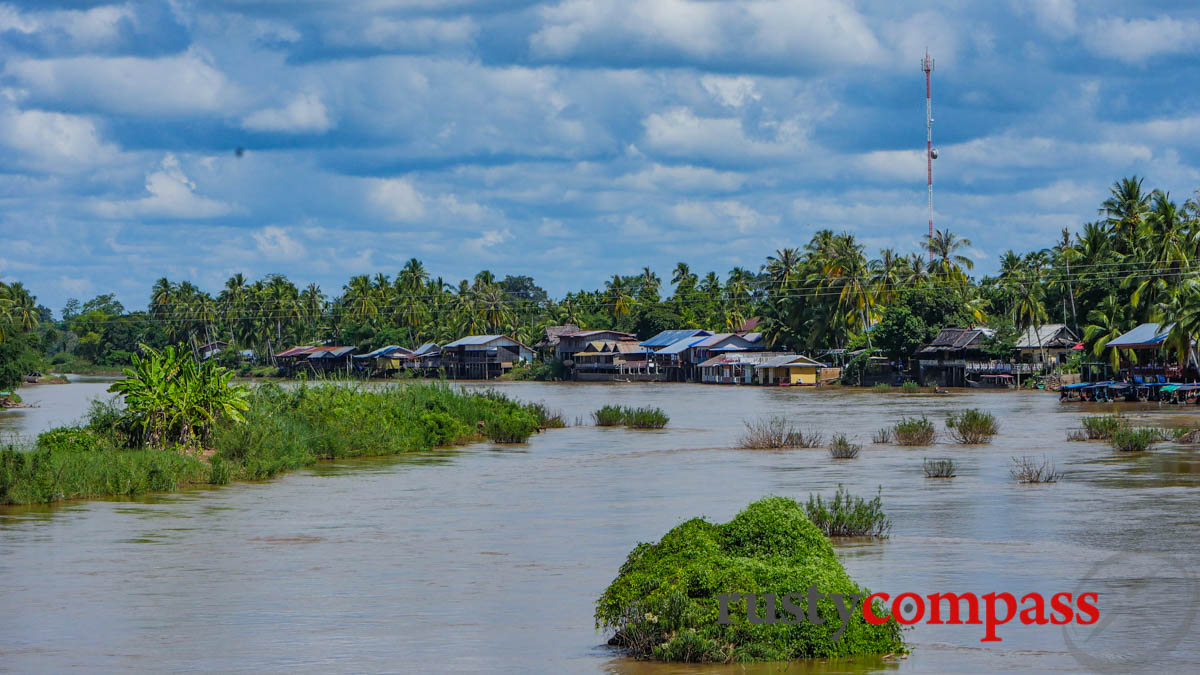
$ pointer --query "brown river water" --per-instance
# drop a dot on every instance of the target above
(489, 558)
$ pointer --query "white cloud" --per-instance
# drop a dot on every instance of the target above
(1055, 17)
(734, 216)
(82, 29)
(769, 33)
(396, 199)
(275, 243)
(488, 240)
(682, 179)
(1136, 40)
(733, 92)
(304, 114)
(680, 133)
(55, 141)
(171, 195)
(175, 85)
(551, 227)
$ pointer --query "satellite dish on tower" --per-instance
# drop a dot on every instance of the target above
(933, 153)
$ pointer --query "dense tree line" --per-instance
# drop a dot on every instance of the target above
(1135, 263)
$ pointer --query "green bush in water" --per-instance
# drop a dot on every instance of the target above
(913, 431)
(609, 416)
(646, 418)
(910, 387)
(972, 426)
(1102, 427)
(1134, 440)
(664, 602)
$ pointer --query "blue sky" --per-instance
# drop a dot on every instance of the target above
(565, 140)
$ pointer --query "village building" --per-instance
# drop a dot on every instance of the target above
(614, 360)
(483, 356)
(571, 343)
(1148, 341)
(733, 367)
(547, 347)
(794, 369)
(951, 355)
(1052, 342)
(208, 351)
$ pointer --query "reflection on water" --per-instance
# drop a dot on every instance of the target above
(489, 558)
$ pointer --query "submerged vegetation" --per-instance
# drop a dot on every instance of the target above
(637, 418)
(1131, 439)
(848, 516)
(664, 601)
(910, 387)
(841, 448)
(1028, 470)
(913, 431)
(972, 426)
(776, 433)
(1102, 427)
(939, 468)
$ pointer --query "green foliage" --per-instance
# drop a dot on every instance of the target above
(899, 332)
(62, 466)
(841, 448)
(1001, 343)
(910, 387)
(848, 516)
(881, 387)
(636, 418)
(609, 416)
(939, 468)
(664, 602)
(1130, 439)
(1102, 427)
(776, 432)
(913, 431)
(972, 426)
(173, 399)
(286, 429)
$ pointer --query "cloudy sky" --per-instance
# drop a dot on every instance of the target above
(566, 140)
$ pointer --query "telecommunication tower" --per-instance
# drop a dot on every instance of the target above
(930, 153)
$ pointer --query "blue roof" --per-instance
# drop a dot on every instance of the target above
(680, 346)
(428, 346)
(1145, 335)
(670, 337)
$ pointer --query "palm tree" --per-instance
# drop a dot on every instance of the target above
(1106, 323)
(948, 263)
(783, 267)
(618, 296)
(651, 286)
(1125, 208)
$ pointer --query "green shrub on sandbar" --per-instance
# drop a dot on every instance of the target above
(664, 602)
(283, 430)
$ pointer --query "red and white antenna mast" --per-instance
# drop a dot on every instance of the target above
(930, 153)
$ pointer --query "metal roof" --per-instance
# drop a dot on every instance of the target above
(678, 347)
(1145, 335)
(756, 359)
(670, 337)
(481, 340)
(294, 351)
(427, 347)
(1048, 334)
(329, 352)
(383, 351)
(589, 333)
(789, 360)
(713, 339)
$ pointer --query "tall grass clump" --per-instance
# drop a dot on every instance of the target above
(776, 432)
(883, 435)
(1130, 439)
(841, 448)
(910, 387)
(1027, 470)
(848, 516)
(646, 418)
(547, 418)
(972, 426)
(881, 387)
(666, 600)
(1102, 427)
(636, 418)
(939, 468)
(609, 416)
(913, 431)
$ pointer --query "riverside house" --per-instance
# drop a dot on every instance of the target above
(733, 367)
(946, 361)
(1154, 357)
(571, 343)
(794, 369)
(483, 356)
(1053, 339)
(623, 360)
